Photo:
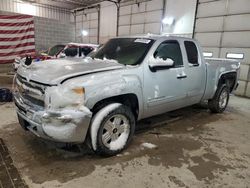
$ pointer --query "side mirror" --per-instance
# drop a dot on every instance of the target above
(159, 63)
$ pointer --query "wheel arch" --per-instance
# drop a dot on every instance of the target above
(129, 99)
(228, 78)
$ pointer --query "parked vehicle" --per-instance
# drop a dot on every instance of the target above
(78, 50)
(51, 53)
(125, 80)
(58, 51)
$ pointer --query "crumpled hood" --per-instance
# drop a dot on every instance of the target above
(55, 71)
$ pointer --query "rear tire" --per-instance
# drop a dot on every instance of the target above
(220, 100)
(112, 129)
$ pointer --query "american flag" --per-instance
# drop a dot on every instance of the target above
(17, 37)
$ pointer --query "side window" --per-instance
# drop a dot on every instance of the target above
(192, 53)
(86, 50)
(170, 49)
(71, 52)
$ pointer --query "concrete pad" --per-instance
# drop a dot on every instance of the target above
(197, 149)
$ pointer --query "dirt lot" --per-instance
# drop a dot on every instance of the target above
(194, 148)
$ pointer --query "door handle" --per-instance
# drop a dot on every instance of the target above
(182, 76)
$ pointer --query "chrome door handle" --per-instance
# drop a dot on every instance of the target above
(182, 76)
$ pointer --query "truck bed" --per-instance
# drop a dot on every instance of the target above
(216, 67)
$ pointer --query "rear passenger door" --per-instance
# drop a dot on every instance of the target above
(195, 70)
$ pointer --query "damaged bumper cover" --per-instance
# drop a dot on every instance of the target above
(64, 125)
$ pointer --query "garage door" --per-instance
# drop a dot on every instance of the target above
(87, 21)
(141, 18)
(223, 29)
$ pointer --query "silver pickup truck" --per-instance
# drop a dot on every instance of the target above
(127, 79)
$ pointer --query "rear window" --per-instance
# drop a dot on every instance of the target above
(192, 53)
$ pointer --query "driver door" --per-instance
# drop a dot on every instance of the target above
(164, 88)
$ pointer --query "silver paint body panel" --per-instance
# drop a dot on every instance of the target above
(157, 92)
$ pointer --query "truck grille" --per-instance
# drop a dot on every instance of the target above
(31, 93)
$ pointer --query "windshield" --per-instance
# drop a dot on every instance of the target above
(127, 51)
(55, 50)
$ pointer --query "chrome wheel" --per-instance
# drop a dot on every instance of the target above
(116, 132)
(223, 99)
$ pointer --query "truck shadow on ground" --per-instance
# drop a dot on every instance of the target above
(175, 134)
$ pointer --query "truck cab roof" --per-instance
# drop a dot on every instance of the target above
(157, 37)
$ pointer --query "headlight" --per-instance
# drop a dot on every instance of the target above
(60, 96)
(79, 91)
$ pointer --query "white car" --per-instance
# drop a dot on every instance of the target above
(75, 50)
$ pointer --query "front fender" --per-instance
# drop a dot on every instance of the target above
(130, 84)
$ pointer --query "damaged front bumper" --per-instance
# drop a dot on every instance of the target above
(64, 125)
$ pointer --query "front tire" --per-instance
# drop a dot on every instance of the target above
(220, 101)
(112, 129)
